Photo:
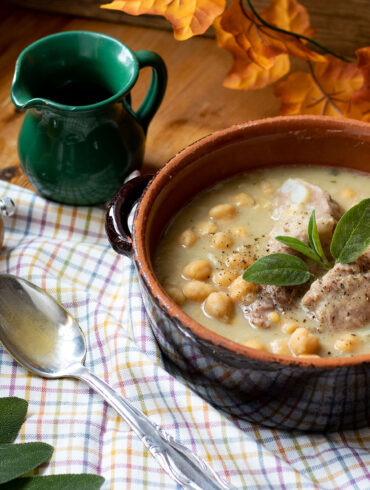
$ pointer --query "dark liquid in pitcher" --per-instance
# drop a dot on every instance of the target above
(78, 93)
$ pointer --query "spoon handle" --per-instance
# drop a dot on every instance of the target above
(180, 463)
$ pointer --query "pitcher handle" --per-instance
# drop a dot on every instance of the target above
(157, 86)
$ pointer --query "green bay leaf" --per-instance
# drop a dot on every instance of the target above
(299, 246)
(352, 233)
(278, 270)
(314, 239)
(56, 482)
(18, 459)
(12, 415)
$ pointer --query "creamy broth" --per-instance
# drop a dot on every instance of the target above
(195, 235)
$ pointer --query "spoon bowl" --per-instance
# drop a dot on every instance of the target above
(43, 337)
(37, 331)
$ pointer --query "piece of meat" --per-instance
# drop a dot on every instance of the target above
(340, 300)
(257, 312)
(293, 205)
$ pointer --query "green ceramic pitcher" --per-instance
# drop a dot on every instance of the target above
(80, 136)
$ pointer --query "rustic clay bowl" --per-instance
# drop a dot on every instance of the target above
(263, 388)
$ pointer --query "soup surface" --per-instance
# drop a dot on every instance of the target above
(203, 253)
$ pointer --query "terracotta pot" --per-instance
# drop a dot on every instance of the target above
(275, 391)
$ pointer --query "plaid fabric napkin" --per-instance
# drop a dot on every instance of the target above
(65, 251)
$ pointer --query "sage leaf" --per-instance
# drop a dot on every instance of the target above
(314, 239)
(278, 270)
(12, 415)
(352, 233)
(299, 246)
(18, 459)
(56, 482)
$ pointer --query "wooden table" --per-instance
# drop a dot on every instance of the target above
(195, 103)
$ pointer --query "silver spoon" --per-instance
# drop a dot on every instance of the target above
(45, 339)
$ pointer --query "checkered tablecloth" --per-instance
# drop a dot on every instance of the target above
(64, 250)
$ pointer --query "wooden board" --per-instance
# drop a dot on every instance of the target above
(92, 9)
(341, 25)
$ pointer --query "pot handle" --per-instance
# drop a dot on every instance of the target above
(119, 208)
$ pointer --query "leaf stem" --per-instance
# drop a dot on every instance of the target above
(290, 33)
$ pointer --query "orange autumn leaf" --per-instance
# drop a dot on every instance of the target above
(188, 18)
(359, 106)
(244, 73)
(326, 89)
(290, 16)
(263, 44)
(235, 22)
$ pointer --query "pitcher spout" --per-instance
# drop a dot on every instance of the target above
(21, 91)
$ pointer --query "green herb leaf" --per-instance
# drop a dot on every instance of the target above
(279, 270)
(12, 415)
(314, 239)
(299, 246)
(352, 233)
(311, 223)
(56, 482)
(18, 459)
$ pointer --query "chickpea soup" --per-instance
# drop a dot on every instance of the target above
(201, 258)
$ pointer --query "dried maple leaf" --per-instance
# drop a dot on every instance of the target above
(235, 22)
(244, 73)
(262, 43)
(359, 106)
(188, 18)
(290, 16)
(326, 89)
(259, 52)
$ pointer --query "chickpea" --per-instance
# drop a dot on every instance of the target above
(219, 305)
(222, 211)
(176, 294)
(238, 232)
(197, 290)
(289, 326)
(239, 288)
(347, 193)
(188, 238)
(237, 261)
(223, 277)
(302, 341)
(280, 346)
(347, 342)
(274, 317)
(255, 344)
(197, 269)
(222, 240)
(243, 199)
(206, 227)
